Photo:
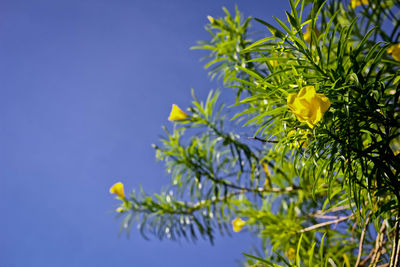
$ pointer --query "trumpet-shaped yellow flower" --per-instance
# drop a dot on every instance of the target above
(307, 34)
(177, 114)
(308, 106)
(356, 3)
(118, 189)
(237, 224)
(395, 51)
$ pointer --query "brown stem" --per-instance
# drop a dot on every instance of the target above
(378, 245)
(394, 259)
(360, 248)
(397, 254)
(316, 226)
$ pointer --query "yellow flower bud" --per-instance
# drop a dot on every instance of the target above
(265, 168)
(356, 3)
(308, 106)
(120, 210)
(118, 189)
(267, 182)
(274, 63)
(237, 224)
(210, 19)
(177, 114)
(395, 51)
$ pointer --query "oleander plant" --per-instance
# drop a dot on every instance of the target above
(305, 156)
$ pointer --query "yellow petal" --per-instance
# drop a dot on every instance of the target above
(177, 114)
(325, 103)
(307, 93)
(296, 105)
(303, 110)
(118, 189)
(390, 49)
(395, 51)
(237, 224)
(318, 116)
(310, 124)
(356, 3)
(291, 98)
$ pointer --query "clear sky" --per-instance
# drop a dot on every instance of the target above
(85, 86)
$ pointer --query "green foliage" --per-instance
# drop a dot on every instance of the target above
(326, 195)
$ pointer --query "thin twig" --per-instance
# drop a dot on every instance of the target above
(326, 217)
(397, 255)
(360, 248)
(366, 259)
(316, 226)
(263, 140)
(331, 210)
(395, 249)
(199, 204)
(378, 246)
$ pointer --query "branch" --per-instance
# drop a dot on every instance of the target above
(316, 226)
(378, 247)
(395, 253)
(263, 140)
(334, 209)
(394, 259)
(360, 248)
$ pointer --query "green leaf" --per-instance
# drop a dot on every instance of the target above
(275, 32)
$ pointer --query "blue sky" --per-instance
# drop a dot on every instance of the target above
(85, 86)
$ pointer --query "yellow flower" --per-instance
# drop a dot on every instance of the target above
(308, 106)
(177, 114)
(291, 254)
(118, 189)
(307, 34)
(211, 19)
(356, 3)
(395, 51)
(238, 224)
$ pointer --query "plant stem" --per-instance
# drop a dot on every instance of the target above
(316, 226)
(360, 248)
